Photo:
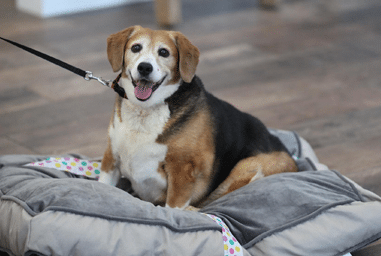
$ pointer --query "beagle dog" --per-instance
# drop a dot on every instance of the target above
(176, 143)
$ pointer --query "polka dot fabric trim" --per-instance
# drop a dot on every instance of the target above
(231, 246)
(70, 164)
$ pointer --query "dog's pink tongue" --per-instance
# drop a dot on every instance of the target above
(143, 92)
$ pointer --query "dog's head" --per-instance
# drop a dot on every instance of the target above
(153, 63)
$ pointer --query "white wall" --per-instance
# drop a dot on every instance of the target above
(49, 8)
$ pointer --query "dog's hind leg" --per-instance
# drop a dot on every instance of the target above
(250, 169)
(181, 181)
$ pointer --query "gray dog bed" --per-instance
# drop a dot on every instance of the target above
(316, 211)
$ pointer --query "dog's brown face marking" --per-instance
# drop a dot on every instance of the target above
(156, 48)
(150, 59)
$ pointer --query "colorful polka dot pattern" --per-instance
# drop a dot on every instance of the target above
(70, 164)
(231, 246)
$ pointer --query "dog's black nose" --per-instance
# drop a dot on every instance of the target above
(145, 69)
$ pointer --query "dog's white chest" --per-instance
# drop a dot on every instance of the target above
(134, 141)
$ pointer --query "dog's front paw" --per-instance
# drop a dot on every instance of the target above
(110, 178)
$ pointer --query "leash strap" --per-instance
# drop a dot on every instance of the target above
(87, 75)
(51, 59)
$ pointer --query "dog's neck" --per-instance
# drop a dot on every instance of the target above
(187, 94)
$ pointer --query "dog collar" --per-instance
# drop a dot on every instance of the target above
(117, 88)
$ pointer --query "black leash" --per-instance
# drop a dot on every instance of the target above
(87, 75)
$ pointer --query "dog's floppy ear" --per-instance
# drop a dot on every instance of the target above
(116, 44)
(188, 57)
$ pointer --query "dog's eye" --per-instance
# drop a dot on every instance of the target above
(136, 48)
(163, 52)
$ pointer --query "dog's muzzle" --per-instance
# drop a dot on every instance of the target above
(145, 88)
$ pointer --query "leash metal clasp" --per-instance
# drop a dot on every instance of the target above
(89, 75)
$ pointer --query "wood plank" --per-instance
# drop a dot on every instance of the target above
(369, 179)
(73, 136)
(19, 98)
(58, 113)
(353, 156)
(249, 69)
(348, 127)
(8, 146)
(48, 74)
(269, 4)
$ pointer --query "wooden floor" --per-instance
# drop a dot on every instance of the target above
(309, 67)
